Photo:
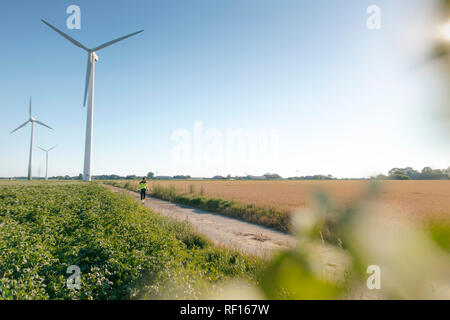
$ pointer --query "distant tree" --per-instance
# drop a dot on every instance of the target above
(399, 176)
(108, 177)
(427, 173)
(410, 172)
(181, 177)
(395, 171)
(438, 174)
(272, 176)
(150, 175)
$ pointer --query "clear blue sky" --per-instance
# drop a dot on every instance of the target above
(345, 100)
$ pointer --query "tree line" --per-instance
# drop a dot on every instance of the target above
(409, 173)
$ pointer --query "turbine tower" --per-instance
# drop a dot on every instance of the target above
(46, 160)
(32, 121)
(89, 88)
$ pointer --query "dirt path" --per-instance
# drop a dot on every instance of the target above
(247, 237)
(221, 230)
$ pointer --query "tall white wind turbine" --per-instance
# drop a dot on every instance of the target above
(89, 88)
(46, 159)
(32, 121)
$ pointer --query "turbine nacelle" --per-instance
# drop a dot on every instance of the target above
(31, 120)
(94, 56)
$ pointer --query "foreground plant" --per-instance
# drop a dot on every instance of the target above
(123, 250)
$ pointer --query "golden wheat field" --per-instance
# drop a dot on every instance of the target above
(415, 199)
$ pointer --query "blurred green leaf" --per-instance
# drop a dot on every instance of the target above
(290, 277)
(440, 50)
(440, 233)
(445, 4)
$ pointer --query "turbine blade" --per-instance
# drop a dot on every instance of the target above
(43, 124)
(75, 42)
(23, 125)
(107, 44)
(42, 149)
(30, 107)
(52, 148)
(88, 79)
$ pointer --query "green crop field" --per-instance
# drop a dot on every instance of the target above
(123, 250)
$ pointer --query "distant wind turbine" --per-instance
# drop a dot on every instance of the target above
(89, 87)
(32, 121)
(46, 159)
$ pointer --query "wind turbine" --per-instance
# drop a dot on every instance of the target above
(89, 88)
(46, 160)
(32, 121)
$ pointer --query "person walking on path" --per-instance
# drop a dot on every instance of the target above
(143, 187)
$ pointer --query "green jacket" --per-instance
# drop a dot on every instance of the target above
(143, 185)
